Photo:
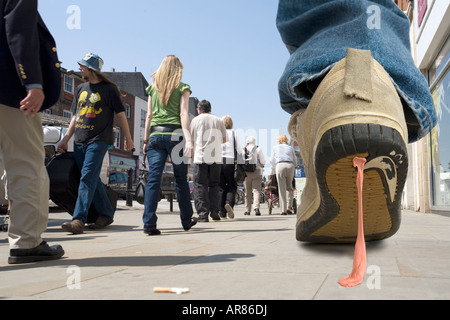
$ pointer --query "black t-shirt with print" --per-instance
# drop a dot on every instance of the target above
(94, 106)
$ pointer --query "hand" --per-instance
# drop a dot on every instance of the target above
(129, 144)
(188, 150)
(33, 102)
(62, 147)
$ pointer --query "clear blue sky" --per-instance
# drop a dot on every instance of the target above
(232, 53)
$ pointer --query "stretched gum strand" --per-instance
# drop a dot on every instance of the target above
(360, 257)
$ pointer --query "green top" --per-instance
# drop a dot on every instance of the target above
(171, 113)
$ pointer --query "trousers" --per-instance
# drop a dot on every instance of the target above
(317, 34)
(23, 157)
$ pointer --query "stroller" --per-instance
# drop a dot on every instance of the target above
(273, 198)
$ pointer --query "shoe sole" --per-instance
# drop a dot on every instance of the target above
(229, 211)
(336, 219)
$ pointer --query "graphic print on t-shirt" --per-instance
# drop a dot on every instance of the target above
(86, 107)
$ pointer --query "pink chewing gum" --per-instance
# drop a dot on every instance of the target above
(360, 258)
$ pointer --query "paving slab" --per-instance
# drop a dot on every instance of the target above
(248, 258)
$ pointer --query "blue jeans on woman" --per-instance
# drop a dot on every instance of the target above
(89, 159)
(161, 146)
(318, 33)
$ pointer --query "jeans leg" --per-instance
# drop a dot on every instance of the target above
(156, 158)
(183, 196)
(318, 34)
(90, 159)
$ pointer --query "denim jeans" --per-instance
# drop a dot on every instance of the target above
(89, 159)
(318, 33)
(161, 146)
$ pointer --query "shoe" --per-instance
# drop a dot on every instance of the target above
(283, 213)
(202, 219)
(289, 211)
(153, 232)
(246, 213)
(75, 226)
(193, 223)
(257, 212)
(355, 112)
(230, 211)
(43, 252)
(101, 223)
(215, 216)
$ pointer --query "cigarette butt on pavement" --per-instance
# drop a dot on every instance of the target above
(170, 290)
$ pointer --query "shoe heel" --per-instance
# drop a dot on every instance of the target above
(355, 112)
(385, 176)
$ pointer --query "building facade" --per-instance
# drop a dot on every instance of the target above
(428, 185)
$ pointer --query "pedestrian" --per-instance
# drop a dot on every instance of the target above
(96, 103)
(254, 163)
(228, 186)
(351, 94)
(30, 82)
(283, 160)
(208, 134)
(167, 133)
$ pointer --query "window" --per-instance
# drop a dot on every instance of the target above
(117, 135)
(127, 111)
(67, 114)
(440, 136)
(143, 118)
(68, 84)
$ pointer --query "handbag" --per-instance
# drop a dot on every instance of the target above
(239, 170)
(140, 189)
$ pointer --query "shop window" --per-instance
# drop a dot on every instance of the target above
(440, 136)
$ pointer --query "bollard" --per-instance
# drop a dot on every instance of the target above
(129, 193)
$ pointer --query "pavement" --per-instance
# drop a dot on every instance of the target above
(251, 258)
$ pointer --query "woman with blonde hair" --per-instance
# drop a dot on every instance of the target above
(228, 186)
(283, 160)
(167, 133)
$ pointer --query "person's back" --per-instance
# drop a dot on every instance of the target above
(208, 132)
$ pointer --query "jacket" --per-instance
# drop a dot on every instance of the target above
(27, 54)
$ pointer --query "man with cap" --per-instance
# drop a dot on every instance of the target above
(30, 82)
(94, 106)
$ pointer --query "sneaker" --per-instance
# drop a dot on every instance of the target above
(230, 211)
(246, 213)
(355, 112)
(257, 212)
(75, 226)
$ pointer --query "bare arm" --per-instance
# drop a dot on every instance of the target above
(129, 144)
(62, 147)
(185, 123)
(148, 121)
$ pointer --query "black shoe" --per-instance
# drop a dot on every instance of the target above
(283, 213)
(289, 211)
(215, 216)
(153, 232)
(42, 252)
(246, 213)
(193, 223)
(203, 219)
(257, 212)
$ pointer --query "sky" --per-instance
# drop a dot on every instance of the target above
(232, 52)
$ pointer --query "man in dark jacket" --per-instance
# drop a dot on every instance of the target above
(30, 81)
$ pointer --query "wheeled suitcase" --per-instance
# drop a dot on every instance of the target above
(64, 182)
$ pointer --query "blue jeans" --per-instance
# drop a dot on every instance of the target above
(161, 146)
(318, 33)
(89, 159)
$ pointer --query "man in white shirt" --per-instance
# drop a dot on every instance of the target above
(208, 133)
